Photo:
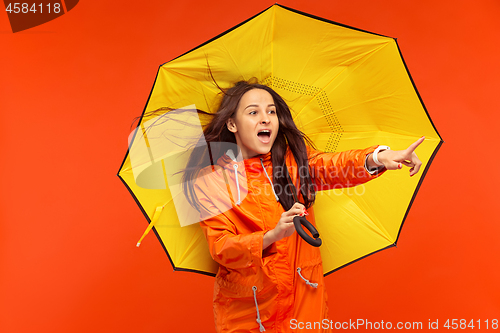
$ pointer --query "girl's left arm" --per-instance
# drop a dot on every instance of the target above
(340, 169)
(349, 168)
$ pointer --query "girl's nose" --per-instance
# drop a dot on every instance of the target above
(265, 119)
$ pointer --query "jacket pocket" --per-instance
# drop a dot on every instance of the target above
(239, 283)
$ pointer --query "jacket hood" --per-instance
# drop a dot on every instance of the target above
(230, 158)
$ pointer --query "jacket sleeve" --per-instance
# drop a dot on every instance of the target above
(227, 246)
(340, 169)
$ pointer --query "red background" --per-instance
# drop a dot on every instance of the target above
(69, 91)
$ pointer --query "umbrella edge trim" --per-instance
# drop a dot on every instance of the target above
(360, 258)
(138, 124)
(330, 21)
(416, 90)
(404, 219)
(431, 159)
(219, 35)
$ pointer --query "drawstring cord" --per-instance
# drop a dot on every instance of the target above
(235, 166)
(261, 327)
(272, 186)
(314, 285)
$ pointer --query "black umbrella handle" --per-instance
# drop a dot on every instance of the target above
(298, 222)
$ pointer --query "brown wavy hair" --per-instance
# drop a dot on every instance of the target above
(288, 137)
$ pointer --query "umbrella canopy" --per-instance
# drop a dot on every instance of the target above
(347, 89)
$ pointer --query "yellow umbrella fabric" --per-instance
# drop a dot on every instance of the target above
(347, 89)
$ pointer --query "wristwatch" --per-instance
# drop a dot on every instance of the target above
(375, 154)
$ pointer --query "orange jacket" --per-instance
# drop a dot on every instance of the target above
(253, 284)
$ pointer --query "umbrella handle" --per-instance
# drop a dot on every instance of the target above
(297, 221)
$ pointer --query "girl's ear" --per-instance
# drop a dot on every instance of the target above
(231, 125)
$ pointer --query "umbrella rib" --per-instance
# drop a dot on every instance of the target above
(272, 42)
(174, 72)
(350, 106)
(195, 239)
(232, 58)
(309, 59)
(379, 228)
(360, 61)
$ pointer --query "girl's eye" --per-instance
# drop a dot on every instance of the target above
(272, 112)
(252, 112)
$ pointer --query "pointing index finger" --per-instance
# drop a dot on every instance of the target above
(415, 144)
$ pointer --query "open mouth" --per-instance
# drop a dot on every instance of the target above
(264, 136)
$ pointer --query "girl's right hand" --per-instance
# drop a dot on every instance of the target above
(285, 227)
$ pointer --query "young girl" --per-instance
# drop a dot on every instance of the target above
(269, 278)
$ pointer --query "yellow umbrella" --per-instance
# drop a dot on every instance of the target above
(347, 89)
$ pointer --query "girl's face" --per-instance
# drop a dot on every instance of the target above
(255, 123)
